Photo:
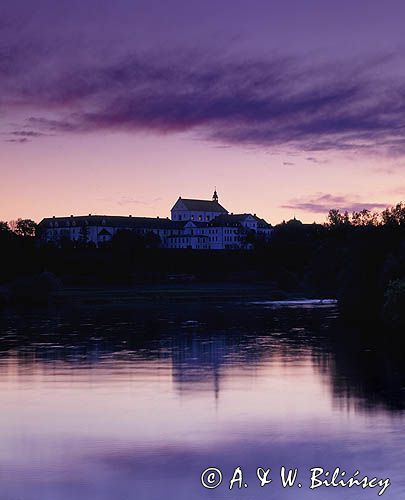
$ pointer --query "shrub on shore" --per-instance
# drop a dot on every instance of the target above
(394, 305)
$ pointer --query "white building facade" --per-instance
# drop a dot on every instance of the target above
(197, 210)
(194, 224)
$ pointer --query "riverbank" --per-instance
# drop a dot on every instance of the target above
(53, 293)
(210, 292)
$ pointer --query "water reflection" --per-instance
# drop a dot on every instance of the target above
(135, 402)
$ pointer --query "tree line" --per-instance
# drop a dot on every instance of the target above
(357, 257)
(20, 227)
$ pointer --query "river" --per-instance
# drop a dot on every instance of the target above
(135, 402)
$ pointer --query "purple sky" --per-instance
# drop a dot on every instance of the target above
(288, 107)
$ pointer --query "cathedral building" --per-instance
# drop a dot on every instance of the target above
(197, 210)
(194, 224)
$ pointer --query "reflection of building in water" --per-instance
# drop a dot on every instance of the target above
(197, 363)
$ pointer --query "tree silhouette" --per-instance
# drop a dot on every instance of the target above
(365, 218)
(4, 227)
(394, 216)
(23, 227)
(84, 234)
(336, 219)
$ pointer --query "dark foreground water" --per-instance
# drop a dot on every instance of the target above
(135, 402)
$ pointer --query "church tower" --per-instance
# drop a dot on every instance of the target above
(215, 196)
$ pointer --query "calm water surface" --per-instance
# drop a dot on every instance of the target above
(135, 402)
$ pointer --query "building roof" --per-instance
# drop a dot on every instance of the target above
(237, 219)
(124, 222)
(202, 205)
(196, 223)
(262, 222)
(104, 232)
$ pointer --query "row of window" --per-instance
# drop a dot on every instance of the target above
(229, 234)
(72, 223)
(200, 218)
(198, 247)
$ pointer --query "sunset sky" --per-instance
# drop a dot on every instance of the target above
(288, 107)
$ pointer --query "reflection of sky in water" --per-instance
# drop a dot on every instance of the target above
(93, 409)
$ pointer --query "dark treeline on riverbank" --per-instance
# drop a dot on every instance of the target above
(357, 258)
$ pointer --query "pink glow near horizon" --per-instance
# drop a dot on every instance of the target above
(122, 174)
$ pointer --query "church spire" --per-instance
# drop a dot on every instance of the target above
(215, 195)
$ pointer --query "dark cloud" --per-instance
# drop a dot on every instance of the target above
(27, 133)
(280, 102)
(53, 125)
(322, 203)
(22, 140)
(288, 163)
(316, 160)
